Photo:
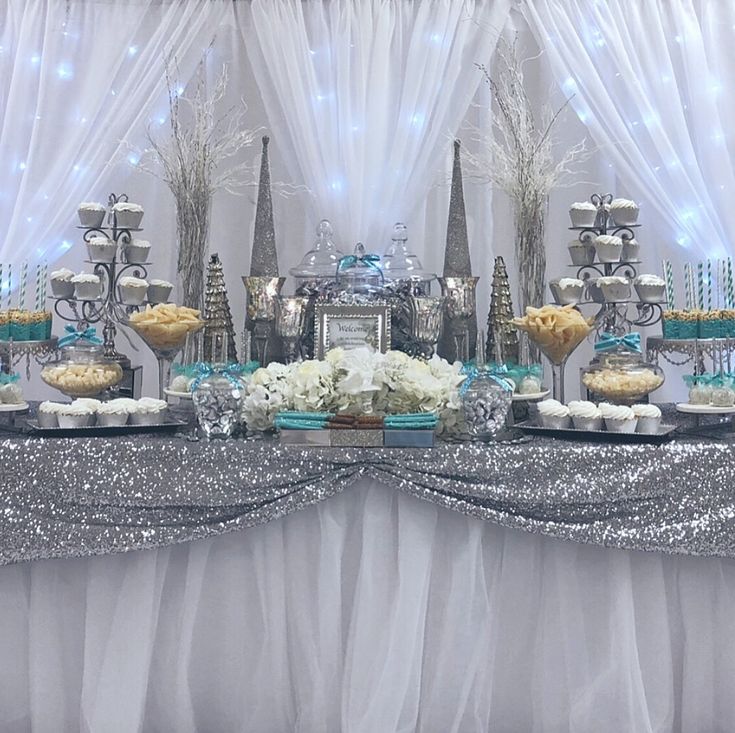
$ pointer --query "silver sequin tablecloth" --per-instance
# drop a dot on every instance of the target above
(89, 496)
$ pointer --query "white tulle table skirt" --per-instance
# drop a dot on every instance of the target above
(370, 612)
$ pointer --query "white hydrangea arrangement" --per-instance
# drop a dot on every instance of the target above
(357, 381)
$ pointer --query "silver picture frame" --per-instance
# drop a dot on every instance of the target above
(351, 326)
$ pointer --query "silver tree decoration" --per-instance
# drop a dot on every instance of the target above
(198, 158)
(519, 156)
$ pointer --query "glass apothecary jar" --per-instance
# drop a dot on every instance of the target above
(218, 399)
(319, 265)
(360, 273)
(82, 370)
(620, 375)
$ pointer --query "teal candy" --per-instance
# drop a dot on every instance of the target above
(47, 330)
(688, 329)
(20, 331)
(38, 331)
(710, 329)
(671, 329)
(293, 424)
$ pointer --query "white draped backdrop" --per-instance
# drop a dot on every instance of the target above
(370, 612)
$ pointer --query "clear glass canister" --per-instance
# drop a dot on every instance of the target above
(82, 371)
(360, 273)
(486, 400)
(622, 376)
(218, 403)
(319, 264)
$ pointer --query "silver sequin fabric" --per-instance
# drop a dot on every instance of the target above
(89, 496)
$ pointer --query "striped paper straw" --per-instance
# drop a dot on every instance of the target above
(687, 288)
(730, 294)
(38, 287)
(693, 287)
(669, 275)
(10, 283)
(709, 284)
(44, 278)
(700, 285)
(22, 291)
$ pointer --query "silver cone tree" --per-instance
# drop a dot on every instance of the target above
(217, 311)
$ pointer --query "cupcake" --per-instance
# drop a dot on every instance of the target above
(11, 394)
(91, 215)
(585, 415)
(92, 404)
(150, 411)
(608, 248)
(132, 290)
(101, 249)
(112, 413)
(650, 288)
(624, 212)
(137, 252)
(583, 214)
(581, 253)
(87, 286)
(631, 250)
(61, 284)
(554, 415)
(127, 215)
(618, 418)
(74, 415)
(594, 291)
(615, 288)
(649, 419)
(567, 290)
(159, 291)
(47, 414)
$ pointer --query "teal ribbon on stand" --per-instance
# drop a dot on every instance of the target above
(609, 341)
(89, 335)
(8, 378)
(231, 372)
(191, 371)
(369, 260)
(472, 372)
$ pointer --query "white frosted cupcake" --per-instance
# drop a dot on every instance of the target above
(624, 212)
(585, 415)
(112, 413)
(137, 251)
(618, 418)
(583, 214)
(159, 291)
(91, 403)
(132, 290)
(101, 249)
(11, 394)
(91, 214)
(47, 414)
(608, 248)
(553, 414)
(650, 288)
(74, 415)
(581, 253)
(61, 284)
(127, 215)
(631, 250)
(86, 286)
(567, 290)
(614, 288)
(649, 419)
(150, 411)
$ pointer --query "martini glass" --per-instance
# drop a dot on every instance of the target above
(557, 352)
(165, 340)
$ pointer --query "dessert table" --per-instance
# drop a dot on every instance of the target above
(541, 586)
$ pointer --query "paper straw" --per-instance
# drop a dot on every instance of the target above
(22, 292)
(38, 286)
(669, 275)
(693, 287)
(700, 285)
(10, 283)
(730, 294)
(687, 289)
(709, 284)
(44, 278)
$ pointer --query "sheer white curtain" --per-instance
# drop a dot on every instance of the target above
(363, 97)
(76, 78)
(652, 83)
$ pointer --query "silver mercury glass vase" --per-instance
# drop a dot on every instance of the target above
(426, 321)
(459, 293)
(290, 324)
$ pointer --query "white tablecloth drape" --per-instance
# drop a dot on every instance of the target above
(371, 612)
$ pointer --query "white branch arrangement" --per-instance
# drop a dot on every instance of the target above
(197, 159)
(518, 156)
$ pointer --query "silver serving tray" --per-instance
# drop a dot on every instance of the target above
(665, 432)
(102, 431)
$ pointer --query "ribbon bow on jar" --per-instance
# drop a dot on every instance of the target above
(609, 341)
(231, 372)
(368, 260)
(89, 334)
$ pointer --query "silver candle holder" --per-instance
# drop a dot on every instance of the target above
(262, 295)
(426, 321)
(290, 323)
(461, 305)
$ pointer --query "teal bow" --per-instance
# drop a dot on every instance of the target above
(231, 372)
(89, 335)
(369, 260)
(8, 378)
(191, 371)
(609, 341)
(472, 373)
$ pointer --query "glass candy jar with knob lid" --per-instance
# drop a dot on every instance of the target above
(618, 373)
(319, 265)
(401, 266)
(360, 273)
(82, 370)
(486, 397)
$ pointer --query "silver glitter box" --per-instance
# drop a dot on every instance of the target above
(305, 437)
(408, 438)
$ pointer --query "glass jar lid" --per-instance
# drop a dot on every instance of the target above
(399, 263)
(322, 259)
